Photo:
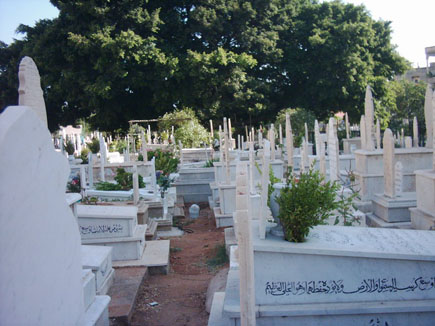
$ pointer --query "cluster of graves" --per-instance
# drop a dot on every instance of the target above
(377, 272)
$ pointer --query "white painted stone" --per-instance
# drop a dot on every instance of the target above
(369, 113)
(317, 137)
(40, 267)
(415, 131)
(389, 189)
(30, 91)
(88, 282)
(378, 134)
(289, 141)
(272, 143)
(363, 131)
(332, 152)
(347, 126)
(264, 189)
(408, 142)
(101, 221)
(245, 249)
(428, 116)
(99, 260)
(398, 178)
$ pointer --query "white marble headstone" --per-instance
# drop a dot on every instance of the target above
(378, 134)
(40, 256)
(30, 91)
(332, 151)
(317, 137)
(415, 131)
(389, 189)
(289, 140)
(428, 116)
(362, 128)
(369, 114)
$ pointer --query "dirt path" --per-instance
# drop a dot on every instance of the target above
(181, 294)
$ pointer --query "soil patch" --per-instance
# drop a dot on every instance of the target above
(178, 299)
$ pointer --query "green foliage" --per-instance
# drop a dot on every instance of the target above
(298, 117)
(118, 145)
(188, 129)
(69, 147)
(94, 145)
(346, 207)
(304, 203)
(112, 61)
(209, 163)
(164, 182)
(165, 161)
(84, 155)
(272, 181)
(124, 181)
(74, 185)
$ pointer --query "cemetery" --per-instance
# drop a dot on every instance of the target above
(297, 220)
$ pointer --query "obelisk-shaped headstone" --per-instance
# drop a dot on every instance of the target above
(30, 92)
(306, 131)
(428, 116)
(332, 151)
(389, 189)
(317, 137)
(322, 160)
(272, 142)
(144, 147)
(264, 188)
(280, 134)
(362, 130)
(378, 134)
(226, 153)
(251, 167)
(135, 185)
(211, 130)
(369, 116)
(230, 135)
(289, 141)
(91, 169)
(415, 131)
(346, 120)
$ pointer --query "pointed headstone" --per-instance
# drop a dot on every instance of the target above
(332, 151)
(388, 155)
(289, 141)
(91, 169)
(362, 129)
(272, 142)
(306, 132)
(415, 132)
(135, 185)
(30, 92)
(369, 116)
(280, 134)
(346, 117)
(317, 137)
(408, 142)
(378, 134)
(211, 129)
(251, 167)
(226, 153)
(428, 116)
(264, 188)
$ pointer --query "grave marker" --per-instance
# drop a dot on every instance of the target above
(428, 116)
(369, 115)
(398, 178)
(389, 189)
(415, 131)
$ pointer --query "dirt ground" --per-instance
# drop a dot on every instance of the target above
(180, 295)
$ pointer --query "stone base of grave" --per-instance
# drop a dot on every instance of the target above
(96, 306)
(155, 208)
(216, 317)
(123, 293)
(227, 198)
(351, 144)
(155, 257)
(222, 220)
(230, 239)
(124, 248)
(163, 223)
(420, 220)
(397, 313)
(194, 191)
(142, 209)
(214, 191)
(365, 206)
(99, 260)
(372, 220)
(393, 210)
(151, 233)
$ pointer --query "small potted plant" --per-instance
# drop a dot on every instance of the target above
(305, 202)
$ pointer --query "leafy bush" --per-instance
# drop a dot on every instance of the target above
(298, 117)
(94, 145)
(165, 161)
(74, 185)
(84, 155)
(69, 147)
(124, 182)
(304, 203)
(188, 129)
(209, 163)
(118, 145)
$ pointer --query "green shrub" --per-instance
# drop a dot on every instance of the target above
(298, 118)
(69, 147)
(124, 182)
(165, 161)
(304, 203)
(84, 155)
(118, 145)
(188, 129)
(94, 145)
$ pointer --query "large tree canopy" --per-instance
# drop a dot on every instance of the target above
(112, 61)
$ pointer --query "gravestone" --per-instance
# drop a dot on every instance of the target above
(415, 131)
(378, 134)
(389, 189)
(30, 91)
(333, 152)
(362, 128)
(369, 110)
(289, 141)
(408, 142)
(428, 116)
(347, 126)
(317, 137)
(40, 259)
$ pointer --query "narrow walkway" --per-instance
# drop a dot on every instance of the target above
(178, 299)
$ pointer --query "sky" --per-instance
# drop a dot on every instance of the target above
(412, 24)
